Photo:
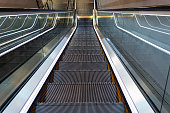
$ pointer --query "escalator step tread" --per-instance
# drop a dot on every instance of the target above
(82, 65)
(84, 47)
(80, 108)
(81, 43)
(87, 33)
(82, 51)
(81, 92)
(81, 76)
(85, 36)
(84, 39)
(92, 58)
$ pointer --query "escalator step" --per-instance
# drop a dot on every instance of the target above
(81, 76)
(81, 92)
(84, 52)
(85, 33)
(88, 58)
(84, 47)
(84, 39)
(82, 83)
(82, 65)
(80, 43)
(80, 108)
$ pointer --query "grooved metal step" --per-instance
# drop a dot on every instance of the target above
(80, 108)
(84, 47)
(84, 39)
(88, 58)
(81, 76)
(82, 65)
(85, 33)
(82, 51)
(81, 43)
(81, 92)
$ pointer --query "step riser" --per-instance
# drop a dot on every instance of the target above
(85, 58)
(84, 52)
(84, 44)
(81, 76)
(82, 66)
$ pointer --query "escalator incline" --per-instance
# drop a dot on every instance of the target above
(82, 82)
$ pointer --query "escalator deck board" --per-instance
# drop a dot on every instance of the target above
(81, 76)
(80, 108)
(81, 92)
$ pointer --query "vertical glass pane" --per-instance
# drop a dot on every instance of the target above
(142, 43)
(166, 101)
(13, 70)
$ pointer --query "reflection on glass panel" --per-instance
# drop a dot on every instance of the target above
(13, 70)
(32, 25)
(166, 101)
(143, 41)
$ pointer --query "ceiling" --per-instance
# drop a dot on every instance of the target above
(18, 4)
(85, 6)
(118, 4)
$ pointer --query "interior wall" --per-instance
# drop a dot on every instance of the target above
(118, 4)
(85, 7)
(18, 4)
(60, 4)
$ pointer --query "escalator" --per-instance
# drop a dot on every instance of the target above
(81, 82)
(71, 67)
